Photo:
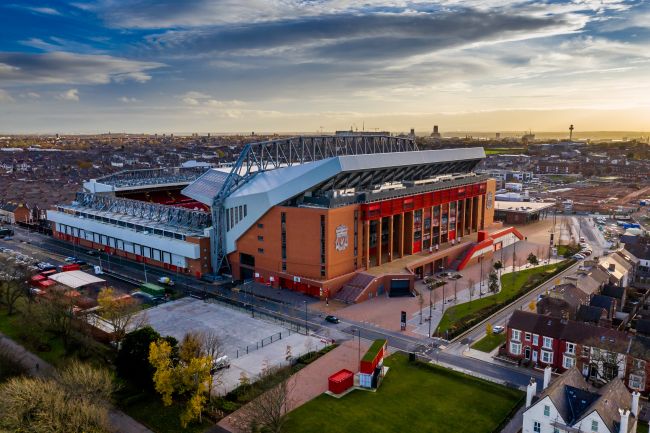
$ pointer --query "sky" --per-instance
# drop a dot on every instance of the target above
(87, 66)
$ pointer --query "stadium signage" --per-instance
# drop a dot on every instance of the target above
(341, 237)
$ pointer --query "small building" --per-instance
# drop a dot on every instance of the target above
(521, 212)
(371, 367)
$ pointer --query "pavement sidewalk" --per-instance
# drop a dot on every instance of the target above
(35, 366)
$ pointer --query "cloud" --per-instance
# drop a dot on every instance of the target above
(127, 100)
(68, 68)
(43, 10)
(5, 97)
(69, 95)
(30, 95)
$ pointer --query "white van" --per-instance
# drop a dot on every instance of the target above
(221, 362)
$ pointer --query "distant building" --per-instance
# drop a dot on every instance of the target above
(435, 133)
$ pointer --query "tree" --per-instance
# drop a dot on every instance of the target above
(58, 313)
(493, 282)
(532, 259)
(471, 287)
(498, 265)
(121, 312)
(488, 329)
(268, 412)
(420, 303)
(189, 378)
(13, 283)
(75, 401)
(132, 360)
(212, 347)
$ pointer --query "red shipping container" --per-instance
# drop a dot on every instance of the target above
(340, 381)
(70, 267)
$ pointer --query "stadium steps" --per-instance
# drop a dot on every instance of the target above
(354, 288)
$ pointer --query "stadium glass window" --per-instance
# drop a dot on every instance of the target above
(284, 266)
(245, 210)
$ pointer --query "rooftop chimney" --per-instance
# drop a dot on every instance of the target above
(625, 415)
(547, 377)
(612, 267)
(530, 392)
(635, 403)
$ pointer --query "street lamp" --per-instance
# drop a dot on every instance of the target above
(305, 302)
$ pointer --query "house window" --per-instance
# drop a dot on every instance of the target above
(585, 351)
(547, 357)
(260, 225)
(547, 410)
(260, 238)
(537, 427)
(556, 430)
(571, 348)
(594, 425)
(636, 382)
(548, 343)
(260, 250)
(515, 348)
(535, 339)
(568, 362)
(638, 364)
(527, 336)
(516, 335)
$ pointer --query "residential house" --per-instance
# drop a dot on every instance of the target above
(570, 404)
(638, 365)
(618, 268)
(640, 249)
(599, 352)
(11, 213)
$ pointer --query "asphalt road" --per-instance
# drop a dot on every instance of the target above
(47, 248)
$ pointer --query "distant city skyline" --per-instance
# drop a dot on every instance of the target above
(292, 65)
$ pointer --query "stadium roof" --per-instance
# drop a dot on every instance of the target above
(145, 178)
(206, 187)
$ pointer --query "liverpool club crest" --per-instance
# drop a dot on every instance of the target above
(341, 237)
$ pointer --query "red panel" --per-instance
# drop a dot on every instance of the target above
(417, 247)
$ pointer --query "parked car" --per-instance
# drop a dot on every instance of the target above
(498, 329)
(221, 362)
(332, 319)
(166, 280)
(70, 259)
(578, 257)
(92, 252)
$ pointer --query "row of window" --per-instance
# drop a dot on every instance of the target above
(547, 342)
(120, 244)
(537, 426)
(132, 226)
(234, 215)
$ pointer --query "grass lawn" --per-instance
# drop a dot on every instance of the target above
(490, 342)
(642, 427)
(14, 327)
(512, 285)
(414, 397)
(567, 250)
(504, 150)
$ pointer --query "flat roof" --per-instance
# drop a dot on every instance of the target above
(75, 279)
(522, 206)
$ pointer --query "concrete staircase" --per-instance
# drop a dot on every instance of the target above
(354, 288)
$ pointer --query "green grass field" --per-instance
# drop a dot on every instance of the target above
(490, 342)
(150, 411)
(414, 397)
(642, 427)
(34, 340)
(504, 150)
(511, 285)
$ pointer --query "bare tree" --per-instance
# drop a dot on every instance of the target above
(471, 286)
(13, 283)
(213, 348)
(58, 313)
(268, 412)
(420, 303)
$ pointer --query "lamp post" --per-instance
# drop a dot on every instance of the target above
(306, 331)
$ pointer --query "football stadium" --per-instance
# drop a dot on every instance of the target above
(346, 217)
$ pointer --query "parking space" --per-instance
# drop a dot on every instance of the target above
(266, 342)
